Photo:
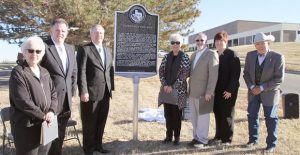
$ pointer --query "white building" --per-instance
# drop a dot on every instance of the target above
(241, 32)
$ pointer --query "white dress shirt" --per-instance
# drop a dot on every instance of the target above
(261, 58)
(198, 55)
(61, 50)
(101, 53)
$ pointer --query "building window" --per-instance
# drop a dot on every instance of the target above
(229, 43)
(235, 42)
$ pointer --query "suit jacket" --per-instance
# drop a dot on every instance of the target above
(229, 72)
(93, 77)
(272, 76)
(64, 83)
(203, 78)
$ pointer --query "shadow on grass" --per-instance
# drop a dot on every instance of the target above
(122, 122)
(72, 150)
(157, 147)
(260, 119)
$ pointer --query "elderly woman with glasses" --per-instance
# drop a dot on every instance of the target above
(32, 99)
(173, 72)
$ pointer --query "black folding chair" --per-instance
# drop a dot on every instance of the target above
(8, 139)
(72, 124)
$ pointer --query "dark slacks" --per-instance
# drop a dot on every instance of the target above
(173, 120)
(224, 117)
(93, 116)
(27, 140)
(62, 120)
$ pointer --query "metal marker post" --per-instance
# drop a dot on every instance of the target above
(136, 81)
(135, 47)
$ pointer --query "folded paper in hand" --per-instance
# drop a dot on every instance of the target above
(170, 98)
(48, 134)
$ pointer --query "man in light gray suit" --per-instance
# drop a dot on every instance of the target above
(202, 83)
(263, 74)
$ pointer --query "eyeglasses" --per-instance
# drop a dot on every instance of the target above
(32, 51)
(199, 40)
(175, 42)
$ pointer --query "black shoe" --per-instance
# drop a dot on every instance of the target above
(167, 140)
(101, 150)
(226, 143)
(214, 141)
(194, 142)
(269, 150)
(176, 141)
(251, 144)
(88, 152)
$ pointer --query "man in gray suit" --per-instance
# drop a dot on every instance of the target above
(202, 83)
(94, 83)
(60, 61)
(263, 74)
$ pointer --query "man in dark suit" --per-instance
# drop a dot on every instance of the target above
(60, 61)
(94, 83)
(263, 74)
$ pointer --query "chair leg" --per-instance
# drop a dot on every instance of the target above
(10, 146)
(77, 135)
(3, 143)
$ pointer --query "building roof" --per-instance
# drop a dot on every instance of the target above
(234, 27)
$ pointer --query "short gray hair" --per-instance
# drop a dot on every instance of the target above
(176, 36)
(36, 40)
(202, 35)
(94, 26)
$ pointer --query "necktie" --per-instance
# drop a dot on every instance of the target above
(101, 52)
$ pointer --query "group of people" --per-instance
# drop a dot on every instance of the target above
(44, 83)
(213, 83)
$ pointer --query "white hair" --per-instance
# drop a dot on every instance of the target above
(201, 34)
(95, 26)
(177, 37)
(33, 39)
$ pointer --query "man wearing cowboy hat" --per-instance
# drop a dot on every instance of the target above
(263, 74)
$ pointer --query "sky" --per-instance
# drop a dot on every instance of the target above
(216, 13)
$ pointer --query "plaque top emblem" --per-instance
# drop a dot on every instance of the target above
(137, 14)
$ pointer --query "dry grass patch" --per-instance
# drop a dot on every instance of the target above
(118, 131)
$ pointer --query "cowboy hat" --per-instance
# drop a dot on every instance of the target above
(262, 37)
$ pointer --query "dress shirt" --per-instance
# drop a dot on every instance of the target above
(61, 50)
(261, 57)
(198, 55)
(101, 53)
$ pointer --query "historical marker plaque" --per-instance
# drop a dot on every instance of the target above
(136, 42)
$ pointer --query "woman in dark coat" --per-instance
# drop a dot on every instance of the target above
(32, 99)
(226, 90)
(173, 72)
